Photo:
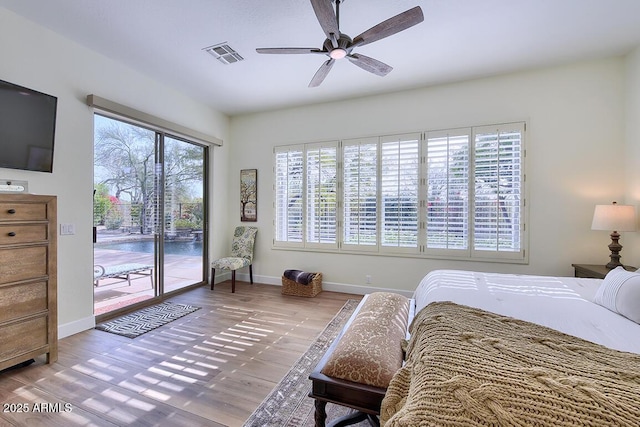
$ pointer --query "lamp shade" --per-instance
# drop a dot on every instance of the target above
(614, 217)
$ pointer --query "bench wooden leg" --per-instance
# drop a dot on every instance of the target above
(213, 277)
(321, 413)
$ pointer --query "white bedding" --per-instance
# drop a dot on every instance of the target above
(562, 303)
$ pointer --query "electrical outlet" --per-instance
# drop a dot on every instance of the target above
(367, 279)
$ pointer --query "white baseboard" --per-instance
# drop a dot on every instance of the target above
(89, 322)
(77, 326)
(327, 286)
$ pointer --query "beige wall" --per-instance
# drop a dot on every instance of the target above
(37, 58)
(575, 123)
(630, 162)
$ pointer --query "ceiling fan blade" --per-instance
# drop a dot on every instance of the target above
(322, 73)
(391, 26)
(371, 65)
(327, 19)
(289, 50)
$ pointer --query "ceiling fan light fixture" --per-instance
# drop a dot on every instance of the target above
(338, 53)
(338, 45)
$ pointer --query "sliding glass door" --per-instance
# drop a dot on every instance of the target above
(183, 249)
(149, 214)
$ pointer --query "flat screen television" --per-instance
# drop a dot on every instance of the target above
(27, 128)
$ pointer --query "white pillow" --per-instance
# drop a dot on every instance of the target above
(620, 293)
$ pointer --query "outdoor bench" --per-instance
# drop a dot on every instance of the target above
(121, 271)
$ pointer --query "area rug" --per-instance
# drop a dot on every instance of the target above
(145, 320)
(288, 404)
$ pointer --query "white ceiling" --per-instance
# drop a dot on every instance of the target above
(459, 39)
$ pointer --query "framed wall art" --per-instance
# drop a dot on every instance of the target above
(249, 195)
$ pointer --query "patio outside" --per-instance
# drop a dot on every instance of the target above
(111, 293)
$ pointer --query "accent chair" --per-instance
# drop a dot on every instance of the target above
(244, 239)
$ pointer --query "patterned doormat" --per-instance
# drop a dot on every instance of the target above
(145, 320)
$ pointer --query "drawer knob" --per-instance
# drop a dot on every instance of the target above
(11, 211)
(11, 234)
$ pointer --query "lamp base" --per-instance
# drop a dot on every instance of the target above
(615, 247)
(612, 265)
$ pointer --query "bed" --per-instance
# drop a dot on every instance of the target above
(502, 349)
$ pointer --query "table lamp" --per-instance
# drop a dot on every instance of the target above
(617, 218)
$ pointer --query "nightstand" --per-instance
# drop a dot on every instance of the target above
(595, 271)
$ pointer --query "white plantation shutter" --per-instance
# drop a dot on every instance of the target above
(498, 198)
(289, 178)
(447, 188)
(456, 193)
(321, 189)
(360, 206)
(399, 187)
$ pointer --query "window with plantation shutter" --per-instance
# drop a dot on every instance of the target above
(447, 190)
(360, 189)
(453, 194)
(321, 200)
(399, 187)
(288, 186)
(498, 188)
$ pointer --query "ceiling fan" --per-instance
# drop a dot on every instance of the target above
(339, 45)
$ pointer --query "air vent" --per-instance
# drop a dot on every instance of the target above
(224, 53)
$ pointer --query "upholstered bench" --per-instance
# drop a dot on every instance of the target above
(356, 369)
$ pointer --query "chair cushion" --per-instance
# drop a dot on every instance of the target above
(230, 263)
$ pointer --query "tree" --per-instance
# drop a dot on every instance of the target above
(248, 191)
(126, 163)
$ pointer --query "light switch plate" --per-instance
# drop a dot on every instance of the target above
(67, 229)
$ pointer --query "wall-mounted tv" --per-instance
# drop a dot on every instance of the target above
(27, 128)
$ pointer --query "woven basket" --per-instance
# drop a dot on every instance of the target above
(291, 287)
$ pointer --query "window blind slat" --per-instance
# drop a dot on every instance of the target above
(400, 175)
(360, 160)
(447, 191)
(497, 212)
(321, 195)
(289, 195)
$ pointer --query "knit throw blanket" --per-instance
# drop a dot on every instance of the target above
(299, 276)
(469, 367)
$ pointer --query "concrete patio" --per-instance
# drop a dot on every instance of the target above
(112, 293)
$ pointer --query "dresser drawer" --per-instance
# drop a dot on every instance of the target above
(22, 263)
(22, 337)
(10, 234)
(22, 211)
(22, 300)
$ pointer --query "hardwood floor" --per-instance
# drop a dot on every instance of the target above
(209, 368)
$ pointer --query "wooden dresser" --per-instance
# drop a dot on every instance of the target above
(28, 286)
